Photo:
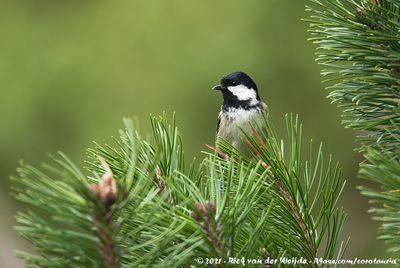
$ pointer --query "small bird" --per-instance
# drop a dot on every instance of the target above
(241, 105)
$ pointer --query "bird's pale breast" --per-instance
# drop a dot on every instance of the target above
(231, 122)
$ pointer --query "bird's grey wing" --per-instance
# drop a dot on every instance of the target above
(264, 108)
(218, 123)
(264, 111)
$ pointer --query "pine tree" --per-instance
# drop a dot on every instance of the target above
(138, 204)
(359, 46)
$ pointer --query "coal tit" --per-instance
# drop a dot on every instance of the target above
(241, 106)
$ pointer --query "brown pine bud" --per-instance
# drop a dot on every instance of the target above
(106, 191)
(203, 212)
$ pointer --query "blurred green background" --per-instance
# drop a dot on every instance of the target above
(70, 70)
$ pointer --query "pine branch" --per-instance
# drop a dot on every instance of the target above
(386, 202)
(358, 44)
(147, 209)
(106, 193)
(308, 218)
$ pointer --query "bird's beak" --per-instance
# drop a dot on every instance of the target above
(217, 87)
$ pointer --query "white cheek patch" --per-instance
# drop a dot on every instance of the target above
(243, 93)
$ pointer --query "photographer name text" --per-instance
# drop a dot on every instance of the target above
(242, 261)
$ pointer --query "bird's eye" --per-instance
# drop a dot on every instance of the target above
(233, 83)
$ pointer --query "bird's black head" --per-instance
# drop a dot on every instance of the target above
(238, 90)
(238, 78)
